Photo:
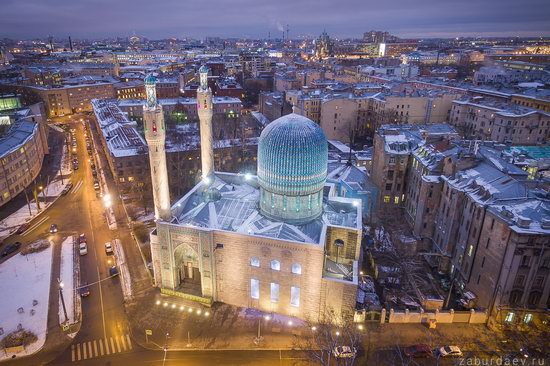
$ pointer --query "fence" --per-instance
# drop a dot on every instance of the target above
(451, 316)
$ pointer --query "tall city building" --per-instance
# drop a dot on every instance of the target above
(205, 112)
(155, 135)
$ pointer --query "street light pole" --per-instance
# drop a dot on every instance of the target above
(62, 299)
(165, 348)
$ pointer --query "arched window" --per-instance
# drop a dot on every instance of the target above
(255, 262)
(296, 268)
(275, 265)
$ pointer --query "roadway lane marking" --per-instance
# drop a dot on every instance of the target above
(78, 352)
(84, 351)
(90, 350)
(117, 344)
(77, 187)
(113, 345)
(95, 349)
(129, 341)
(35, 225)
(73, 353)
(101, 301)
(107, 352)
(123, 341)
(101, 353)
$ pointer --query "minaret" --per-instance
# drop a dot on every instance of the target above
(155, 134)
(205, 111)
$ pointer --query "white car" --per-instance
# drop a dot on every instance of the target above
(344, 352)
(449, 351)
(108, 248)
(83, 248)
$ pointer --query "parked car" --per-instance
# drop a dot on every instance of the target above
(10, 248)
(449, 351)
(344, 352)
(94, 172)
(418, 350)
(84, 290)
(96, 185)
(67, 188)
(23, 228)
(82, 238)
(113, 270)
(53, 228)
(108, 248)
(83, 248)
(75, 167)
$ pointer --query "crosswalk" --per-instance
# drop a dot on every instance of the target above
(100, 347)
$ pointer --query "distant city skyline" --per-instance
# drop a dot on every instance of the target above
(256, 19)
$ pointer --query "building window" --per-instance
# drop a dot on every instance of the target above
(274, 292)
(396, 200)
(525, 260)
(296, 268)
(470, 250)
(255, 262)
(295, 296)
(275, 265)
(388, 187)
(527, 318)
(509, 317)
(386, 199)
(255, 288)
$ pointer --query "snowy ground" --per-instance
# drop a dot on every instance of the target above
(24, 279)
(69, 281)
(52, 191)
(125, 280)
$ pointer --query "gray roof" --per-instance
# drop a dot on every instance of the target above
(231, 203)
(18, 134)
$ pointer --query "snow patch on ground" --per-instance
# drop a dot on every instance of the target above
(125, 280)
(68, 278)
(24, 279)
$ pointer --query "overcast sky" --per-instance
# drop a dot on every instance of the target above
(255, 18)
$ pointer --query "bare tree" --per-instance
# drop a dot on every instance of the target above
(330, 332)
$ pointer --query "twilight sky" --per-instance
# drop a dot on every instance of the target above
(255, 18)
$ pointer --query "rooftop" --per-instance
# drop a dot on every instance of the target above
(231, 203)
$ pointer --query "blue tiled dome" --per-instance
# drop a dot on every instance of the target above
(150, 80)
(292, 162)
(203, 69)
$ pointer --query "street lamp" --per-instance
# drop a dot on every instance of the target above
(61, 284)
(165, 348)
(259, 337)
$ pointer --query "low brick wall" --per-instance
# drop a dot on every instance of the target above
(471, 317)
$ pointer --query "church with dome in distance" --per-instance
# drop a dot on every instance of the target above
(281, 241)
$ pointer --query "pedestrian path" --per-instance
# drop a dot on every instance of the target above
(100, 347)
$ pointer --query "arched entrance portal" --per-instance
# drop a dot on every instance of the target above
(188, 276)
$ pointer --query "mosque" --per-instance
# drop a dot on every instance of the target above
(281, 241)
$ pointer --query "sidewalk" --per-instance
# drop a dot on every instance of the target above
(20, 212)
(231, 328)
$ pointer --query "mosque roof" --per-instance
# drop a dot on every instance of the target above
(231, 203)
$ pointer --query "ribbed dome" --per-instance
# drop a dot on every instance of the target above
(292, 156)
(150, 80)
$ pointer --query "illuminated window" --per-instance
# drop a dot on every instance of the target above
(509, 317)
(396, 200)
(295, 296)
(274, 292)
(296, 268)
(275, 265)
(527, 318)
(130, 179)
(254, 288)
(255, 262)
(470, 250)
(386, 199)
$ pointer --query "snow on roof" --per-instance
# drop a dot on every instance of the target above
(18, 134)
(230, 203)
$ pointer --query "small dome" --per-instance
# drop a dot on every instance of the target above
(150, 80)
(292, 166)
(204, 69)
